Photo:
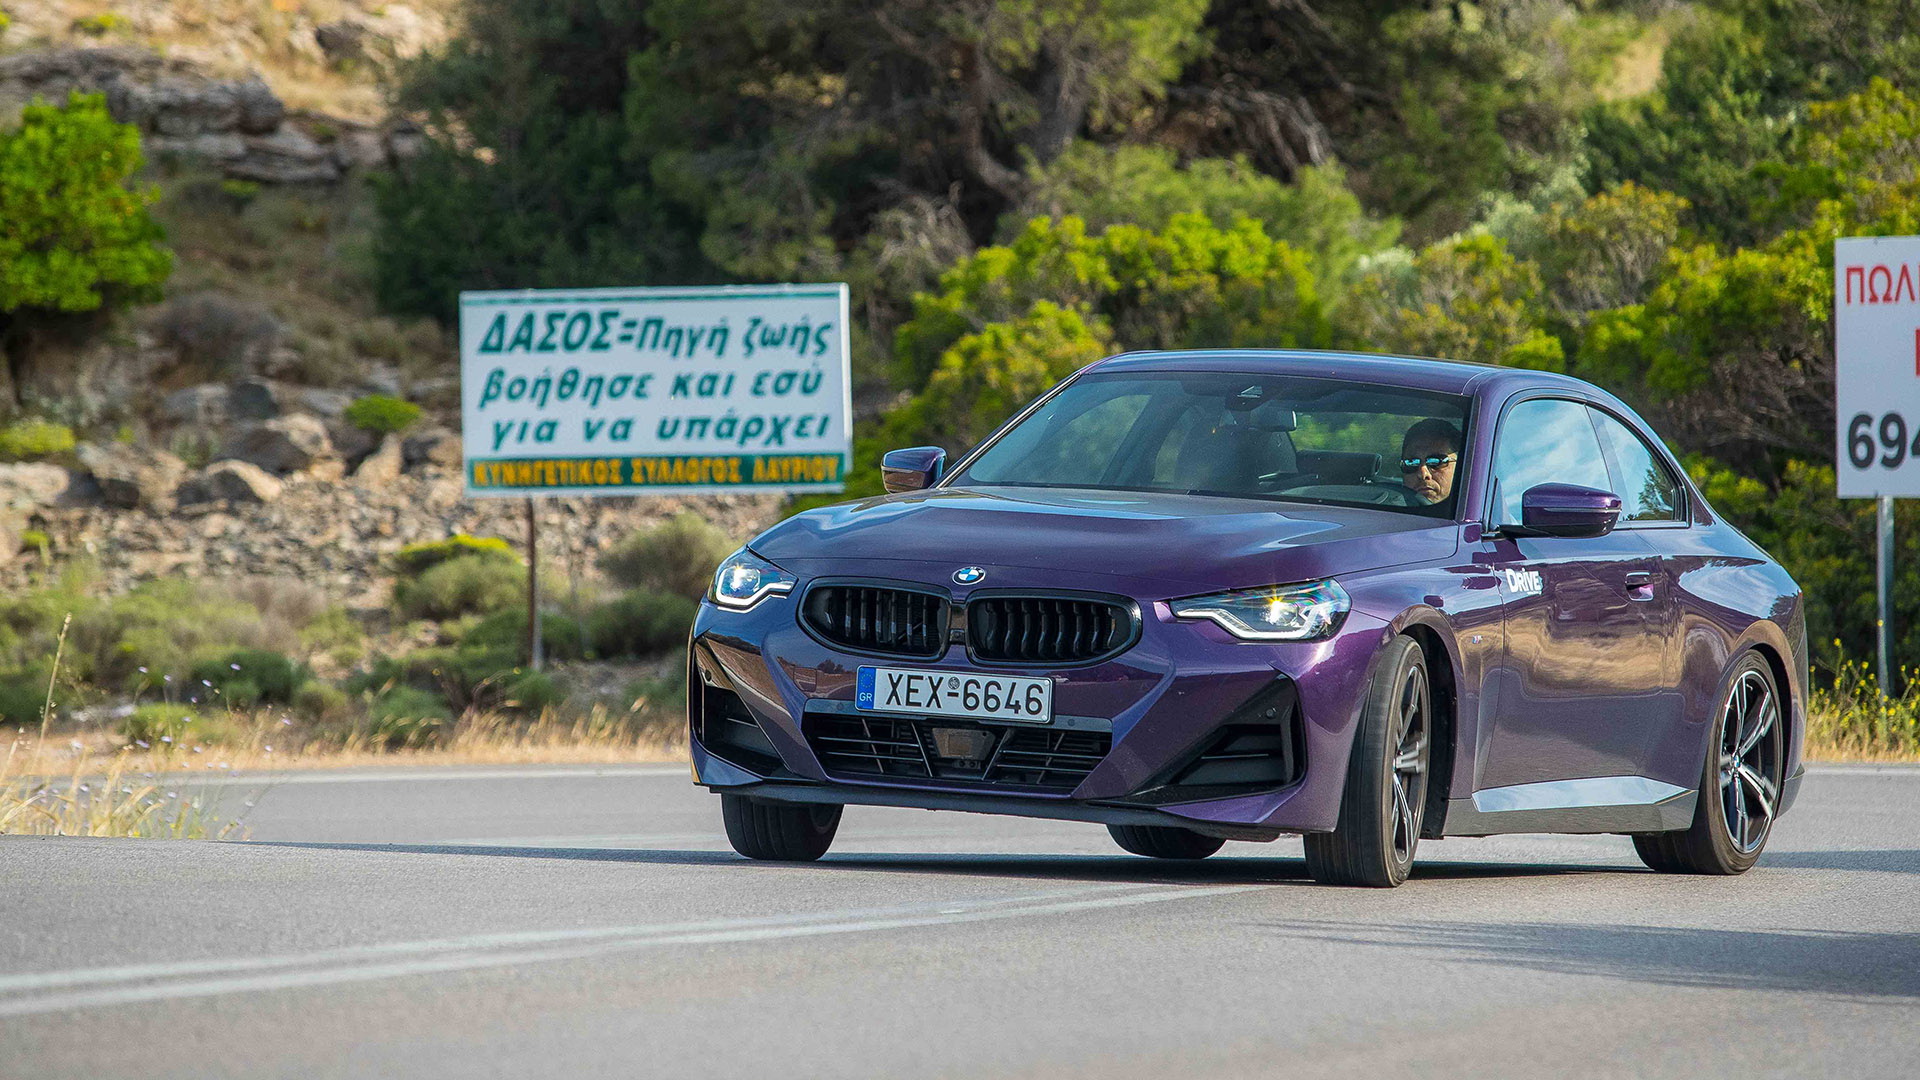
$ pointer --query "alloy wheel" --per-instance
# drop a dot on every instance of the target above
(1750, 761)
(1410, 763)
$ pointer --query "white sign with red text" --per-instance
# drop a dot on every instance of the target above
(1876, 347)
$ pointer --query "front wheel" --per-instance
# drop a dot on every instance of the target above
(1739, 785)
(1379, 824)
(779, 832)
(1164, 841)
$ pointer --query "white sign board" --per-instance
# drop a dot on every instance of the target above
(1876, 346)
(645, 391)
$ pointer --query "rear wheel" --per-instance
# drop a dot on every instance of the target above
(780, 832)
(1379, 825)
(1164, 841)
(1739, 785)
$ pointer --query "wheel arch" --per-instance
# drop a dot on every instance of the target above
(1443, 678)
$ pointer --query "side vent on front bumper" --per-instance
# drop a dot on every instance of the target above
(1260, 747)
(722, 724)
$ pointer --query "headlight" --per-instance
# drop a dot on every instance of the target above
(745, 579)
(1276, 613)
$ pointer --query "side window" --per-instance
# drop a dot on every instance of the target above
(1648, 492)
(1544, 442)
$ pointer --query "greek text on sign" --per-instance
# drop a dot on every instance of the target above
(667, 390)
(1876, 324)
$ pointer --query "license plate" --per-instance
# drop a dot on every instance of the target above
(949, 693)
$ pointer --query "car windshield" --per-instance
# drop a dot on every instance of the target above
(1275, 437)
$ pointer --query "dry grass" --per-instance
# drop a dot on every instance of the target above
(1851, 722)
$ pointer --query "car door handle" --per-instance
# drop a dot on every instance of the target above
(1640, 584)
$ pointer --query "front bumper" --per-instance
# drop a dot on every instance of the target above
(1180, 692)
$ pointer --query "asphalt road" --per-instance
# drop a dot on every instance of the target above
(578, 922)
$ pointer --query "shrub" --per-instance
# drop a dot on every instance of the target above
(382, 415)
(530, 692)
(320, 701)
(22, 695)
(99, 25)
(404, 716)
(216, 330)
(156, 722)
(466, 585)
(560, 635)
(418, 558)
(247, 677)
(32, 439)
(677, 556)
(641, 623)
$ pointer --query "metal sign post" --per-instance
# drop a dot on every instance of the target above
(1876, 349)
(534, 650)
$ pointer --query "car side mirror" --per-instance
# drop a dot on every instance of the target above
(1568, 511)
(912, 469)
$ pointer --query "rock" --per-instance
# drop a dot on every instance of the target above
(203, 406)
(435, 446)
(360, 148)
(30, 485)
(260, 111)
(341, 40)
(325, 403)
(285, 444)
(288, 156)
(230, 482)
(254, 399)
(130, 478)
(383, 465)
(352, 443)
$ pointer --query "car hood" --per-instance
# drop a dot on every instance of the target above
(1165, 544)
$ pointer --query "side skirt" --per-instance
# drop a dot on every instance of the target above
(1597, 804)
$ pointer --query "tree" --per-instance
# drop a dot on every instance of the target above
(1466, 299)
(74, 235)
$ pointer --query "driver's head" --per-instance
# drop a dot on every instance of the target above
(1429, 457)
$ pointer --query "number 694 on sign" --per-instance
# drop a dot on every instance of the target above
(1885, 440)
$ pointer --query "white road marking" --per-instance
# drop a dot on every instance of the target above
(171, 981)
(380, 776)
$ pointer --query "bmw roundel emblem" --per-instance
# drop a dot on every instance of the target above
(967, 575)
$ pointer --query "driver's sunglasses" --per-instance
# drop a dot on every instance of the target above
(1413, 464)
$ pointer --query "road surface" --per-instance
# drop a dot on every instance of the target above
(534, 922)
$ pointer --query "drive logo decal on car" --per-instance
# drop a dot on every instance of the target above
(1522, 582)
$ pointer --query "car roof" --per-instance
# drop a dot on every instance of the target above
(1416, 372)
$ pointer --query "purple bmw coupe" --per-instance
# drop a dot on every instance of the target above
(1210, 596)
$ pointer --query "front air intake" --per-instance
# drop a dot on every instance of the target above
(878, 619)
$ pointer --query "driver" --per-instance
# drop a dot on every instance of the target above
(1429, 455)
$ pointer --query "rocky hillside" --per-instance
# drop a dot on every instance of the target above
(212, 430)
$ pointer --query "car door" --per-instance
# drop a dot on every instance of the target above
(1653, 505)
(1582, 676)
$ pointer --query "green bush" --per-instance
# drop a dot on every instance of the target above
(22, 695)
(560, 635)
(640, 624)
(531, 692)
(157, 722)
(465, 585)
(248, 677)
(415, 559)
(404, 716)
(382, 415)
(32, 439)
(677, 556)
(320, 701)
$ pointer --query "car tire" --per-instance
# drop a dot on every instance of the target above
(1164, 841)
(779, 832)
(1740, 784)
(1379, 824)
